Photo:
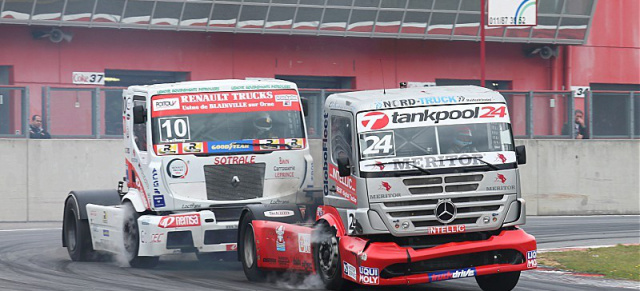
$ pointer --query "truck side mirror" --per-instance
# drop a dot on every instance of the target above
(305, 105)
(521, 155)
(139, 114)
(344, 167)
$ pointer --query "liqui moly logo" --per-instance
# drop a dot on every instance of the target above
(185, 220)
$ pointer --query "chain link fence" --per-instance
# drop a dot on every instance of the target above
(96, 113)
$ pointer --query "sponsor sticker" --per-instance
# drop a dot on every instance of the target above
(349, 270)
(233, 160)
(158, 201)
(184, 220)
(105, 232)
(345, 186)
(280, 243)
(166, 104)
(419, 116)
(177, 169)
(452, 274)
(167, 149)
(304, 243)
(192, 147)
(369, 276)
(532, 259)
(232, 247)
(278, 213)
(446, 229)
(231, 146)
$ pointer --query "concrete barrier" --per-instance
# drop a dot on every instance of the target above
(561, 176)
(581, 177)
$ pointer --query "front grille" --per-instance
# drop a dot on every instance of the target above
(506, 256)
(221, 184)
(427, 192)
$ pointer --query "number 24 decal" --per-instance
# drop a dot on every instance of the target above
(379, 144)
(494, 112)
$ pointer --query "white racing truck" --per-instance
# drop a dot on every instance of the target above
(196, 153)
(420, 185)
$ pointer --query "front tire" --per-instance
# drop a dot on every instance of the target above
(131, 236)
(247, 250)
(498, 282)
(76, 233)
(326, 257)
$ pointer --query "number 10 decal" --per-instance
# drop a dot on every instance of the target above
(378, 144)
(174, 129)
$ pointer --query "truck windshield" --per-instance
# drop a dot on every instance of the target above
(445, 136)
(227, 122)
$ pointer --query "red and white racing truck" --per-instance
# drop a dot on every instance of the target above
(420, 185)
(196, 153)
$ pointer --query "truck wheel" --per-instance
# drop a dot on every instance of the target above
(76, 234)
(247, 250)
(131, 236)
(326, 257)
(498, 282)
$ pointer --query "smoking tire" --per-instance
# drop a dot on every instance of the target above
(326, 257)
(498, 282)
(247, 250)
(76, 233)
(131, 237)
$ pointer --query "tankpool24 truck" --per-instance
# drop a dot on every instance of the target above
(195, 153)
(420, 185)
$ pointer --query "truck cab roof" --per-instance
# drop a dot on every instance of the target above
(213, 86)
(411, 97)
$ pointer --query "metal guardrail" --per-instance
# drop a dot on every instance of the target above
(96, 113)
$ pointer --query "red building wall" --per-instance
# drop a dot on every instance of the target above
(612, 55)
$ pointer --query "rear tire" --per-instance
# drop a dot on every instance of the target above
(247, 250)
(131, 236)
(76, 233)
(326, 257)
(498, 282)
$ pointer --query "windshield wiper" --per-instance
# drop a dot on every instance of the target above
(264, 144)
(404, 163)
(492, 166)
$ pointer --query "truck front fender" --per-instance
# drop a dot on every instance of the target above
(332, 217)
(98, 197)
(82, 198)
(134, 197)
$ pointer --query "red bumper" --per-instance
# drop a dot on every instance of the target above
(383, 255)
(287, 247)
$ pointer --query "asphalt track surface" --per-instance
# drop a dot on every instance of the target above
(31, 258)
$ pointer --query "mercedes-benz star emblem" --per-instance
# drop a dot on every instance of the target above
(235, 181)
(445, 211)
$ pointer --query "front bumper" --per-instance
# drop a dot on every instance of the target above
(188, 232)
(387, 263)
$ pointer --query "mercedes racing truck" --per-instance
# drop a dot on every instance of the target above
(420, 185)
(195, 154)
